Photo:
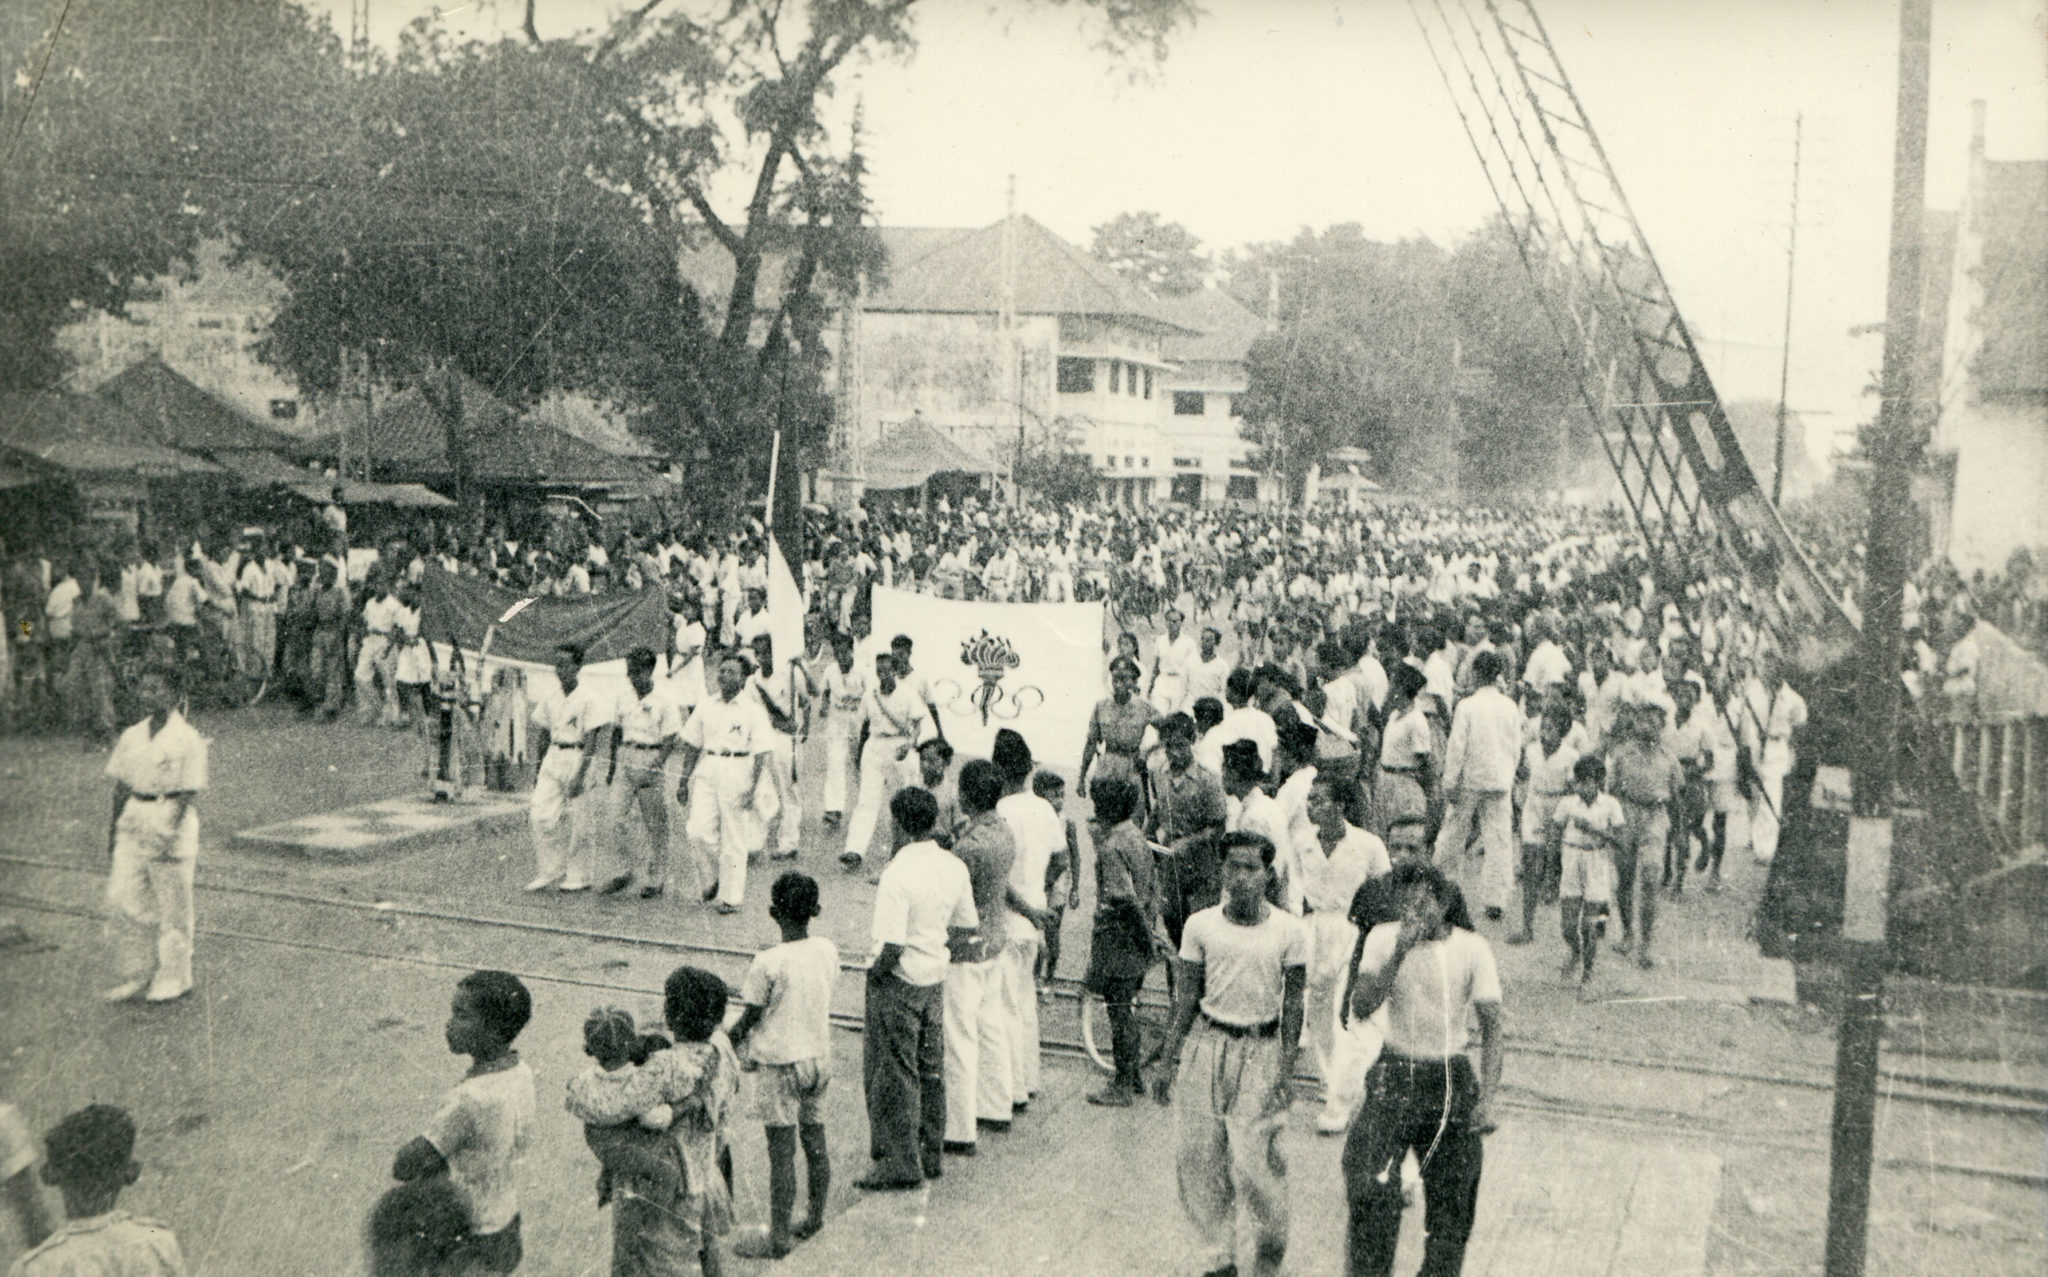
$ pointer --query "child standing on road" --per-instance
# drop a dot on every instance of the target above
(641, 1168)
(785, 1032)
(1587, 825)
(90, 1158)
(1065, 863)
(697, 1078)
(478, 1139)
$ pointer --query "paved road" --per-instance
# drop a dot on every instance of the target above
(272, 1100)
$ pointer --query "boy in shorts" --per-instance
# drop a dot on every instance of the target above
(1065, 864)
(784, 1033)
(478, 1138)
(1587, 825)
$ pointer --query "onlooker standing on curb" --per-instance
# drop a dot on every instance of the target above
(1243, 972)
(90, 1159)
(977, 1037)
(925, 902)
(1432, 971)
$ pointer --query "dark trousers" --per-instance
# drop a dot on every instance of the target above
(1406, 1107)
(498, 1252)
(903, 1063)
(1118, 993)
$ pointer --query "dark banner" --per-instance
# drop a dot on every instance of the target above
(461, 608)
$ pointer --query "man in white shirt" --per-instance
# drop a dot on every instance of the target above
(1253, 810)
(1479, 774)
(570, 724)
(1238, 1009)
(1342, 857)
(1433, 973)
(1210, 671)
(896, 725)
(159, 768)
(725, 750)
(1173, 663)
(1242, 720)
(1548, 666)
(842, 692)
(1771, 712)
(256, 591)
(377, 658)
(924, 904)
(650, 727)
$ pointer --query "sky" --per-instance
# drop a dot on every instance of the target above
(1274, 115)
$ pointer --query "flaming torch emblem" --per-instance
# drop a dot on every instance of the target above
(992, 657)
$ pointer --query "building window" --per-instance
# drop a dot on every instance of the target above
(1146, 463)
(1116, 376)
(1189, 403)
(1187, 463)
(1235, 409)
(1130, 462)
(1242, 487)
(210, 323)
(1076, 376)
(284, 409)
(1148, 383)
(1109, 462)
(1131, 382)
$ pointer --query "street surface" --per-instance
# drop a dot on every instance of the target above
(1668, 1126)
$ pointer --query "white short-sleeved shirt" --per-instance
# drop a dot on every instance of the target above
(1438, 984)
(844, 691)
(725, 728)
(792, 983)
(569, 718)
(115, 1244)
(1244, 968)
(173, 761)
(482, 1132)
(1408, 740)
(649, 719)
(1039, 835)
(1579, 819)
(924, 891)
(1550, 778)
(183, 600)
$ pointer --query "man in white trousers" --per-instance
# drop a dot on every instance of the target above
(158, 768)
(725, 748)
(896, 724)
(1040, 835)
(976, 1031)
(1479, 774)
(1338, 862)
(843, 691)
(1770, 713)
(570, 725)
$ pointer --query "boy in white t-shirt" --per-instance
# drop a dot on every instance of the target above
(1587, 826)
(784, 1035)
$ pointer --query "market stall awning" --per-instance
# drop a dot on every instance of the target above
(264, 469)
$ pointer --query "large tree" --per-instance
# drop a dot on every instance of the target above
(129, 131)
(1165, 257)
(1362, 357)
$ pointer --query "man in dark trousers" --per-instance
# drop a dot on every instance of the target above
(1431, 971)
(924, 906)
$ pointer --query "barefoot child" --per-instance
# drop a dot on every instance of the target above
(90, 1158)
(1065, 863)
(785, 1032)
(1587, 824)
(478, 1138)
(1547, 766)
(641, 1173)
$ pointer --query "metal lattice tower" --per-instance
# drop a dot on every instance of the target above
(1695, 498)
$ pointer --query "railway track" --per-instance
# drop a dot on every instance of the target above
(1976, 1099)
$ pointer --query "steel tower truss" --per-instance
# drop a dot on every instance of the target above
(1695, 498)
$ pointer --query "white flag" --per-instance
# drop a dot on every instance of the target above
(1033, 667)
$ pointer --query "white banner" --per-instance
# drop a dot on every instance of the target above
(1034, 667)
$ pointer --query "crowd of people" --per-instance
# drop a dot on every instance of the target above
(1319, 734)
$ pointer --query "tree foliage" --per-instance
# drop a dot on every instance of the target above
(1162, 256)
(129, 131)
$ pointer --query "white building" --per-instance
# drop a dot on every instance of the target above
(1205, 389)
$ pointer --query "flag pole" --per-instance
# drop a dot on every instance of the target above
(774, 462)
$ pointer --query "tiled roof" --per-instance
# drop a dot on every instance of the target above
(962, 273)
(912, 452)
(1223, 330)
(88, 435)
(183, 416)
(407, 436)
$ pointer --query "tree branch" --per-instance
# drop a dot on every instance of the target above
(532, 35)
(622, 30)
(725, 235)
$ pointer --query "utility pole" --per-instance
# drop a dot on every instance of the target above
(1894, 450)
(1006, 334)
(1785, 364)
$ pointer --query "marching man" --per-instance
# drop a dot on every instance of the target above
(158, 769)
(570, 724)
(726, 747)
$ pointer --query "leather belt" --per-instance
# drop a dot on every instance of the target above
(634, 744)
(1270, 1028)
(730, 753)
